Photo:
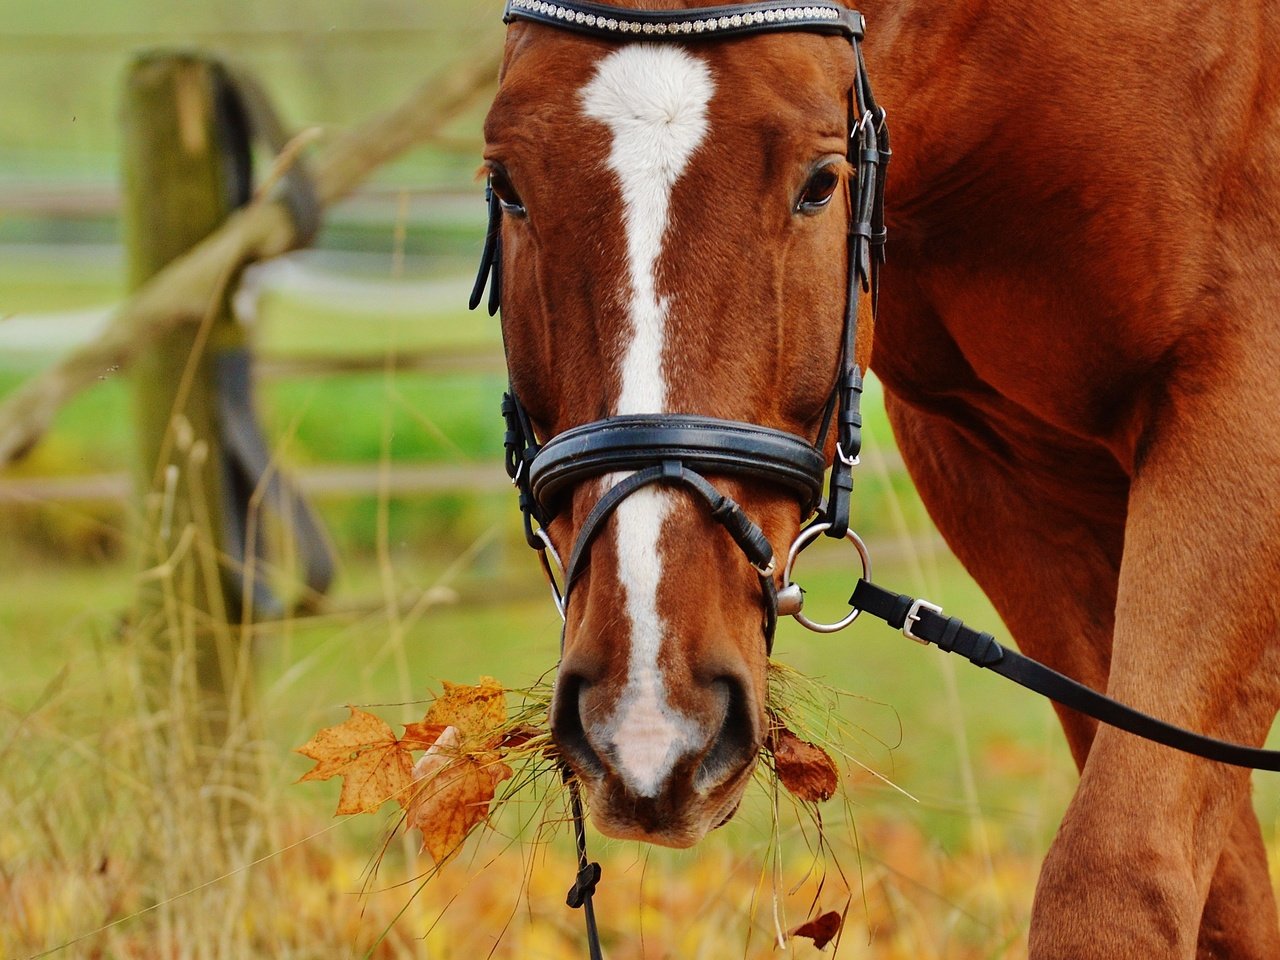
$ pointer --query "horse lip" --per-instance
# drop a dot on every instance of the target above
(730, 815)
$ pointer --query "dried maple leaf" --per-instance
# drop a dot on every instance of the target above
(420, 736)
(452, 794)
(804, 769)
(364, 751)
(478, 713)
(821, 930)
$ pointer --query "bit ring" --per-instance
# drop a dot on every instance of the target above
(807, 536)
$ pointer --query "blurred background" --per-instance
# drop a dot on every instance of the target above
(148, 709)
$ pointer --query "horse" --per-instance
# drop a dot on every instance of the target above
(1076, 332)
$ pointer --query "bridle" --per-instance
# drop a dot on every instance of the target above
(678, 449)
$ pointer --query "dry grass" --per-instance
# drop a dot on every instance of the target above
(130, 836)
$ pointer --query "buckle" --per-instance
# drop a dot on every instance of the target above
(913, 617)
(844, 458)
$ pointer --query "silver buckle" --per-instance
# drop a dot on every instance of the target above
(913, 617)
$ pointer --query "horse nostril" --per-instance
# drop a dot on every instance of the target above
(566, 726)
(735, 743)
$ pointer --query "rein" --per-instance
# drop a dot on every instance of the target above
(676, 449)
(925, 623)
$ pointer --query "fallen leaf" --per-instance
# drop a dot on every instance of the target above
(804, 769)
(365, 752)
(821, 930)
(452, 794)
(478, 713)
(420, 736)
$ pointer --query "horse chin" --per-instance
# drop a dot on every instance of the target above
(678, 819)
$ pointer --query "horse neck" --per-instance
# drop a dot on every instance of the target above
(944, 71)
(960, 77)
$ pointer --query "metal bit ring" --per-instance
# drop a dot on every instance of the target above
(807, 536)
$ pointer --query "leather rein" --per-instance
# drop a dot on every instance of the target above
(677, 449)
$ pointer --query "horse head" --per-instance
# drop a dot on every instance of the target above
(671, 223)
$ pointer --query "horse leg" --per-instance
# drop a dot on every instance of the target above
(1239, 919)
(1195, 643)
(1061, 610)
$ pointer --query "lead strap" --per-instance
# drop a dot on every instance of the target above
(584, 886)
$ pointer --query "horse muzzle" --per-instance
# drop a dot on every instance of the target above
(651, 771)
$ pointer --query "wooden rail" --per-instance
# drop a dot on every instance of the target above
(181, 293)
(327, 482)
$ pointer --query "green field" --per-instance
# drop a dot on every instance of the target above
(326, 62)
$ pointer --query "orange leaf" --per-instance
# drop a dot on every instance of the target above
(420, 736)
(821, 930)
(364, 751)
(804, 769)
(478, 712)
(453, 793)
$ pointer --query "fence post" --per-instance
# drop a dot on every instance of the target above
(205, 471)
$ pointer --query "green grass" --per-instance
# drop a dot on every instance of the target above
(62, 622)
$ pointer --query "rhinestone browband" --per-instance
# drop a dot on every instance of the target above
(688, 24)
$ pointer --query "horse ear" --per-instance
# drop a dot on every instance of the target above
(866, 333)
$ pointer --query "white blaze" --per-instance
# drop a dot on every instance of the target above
(654, 101)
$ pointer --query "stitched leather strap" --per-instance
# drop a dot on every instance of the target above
(584, 885)
(950, 634)
(724, 510)
(702, 444)
(490, 271)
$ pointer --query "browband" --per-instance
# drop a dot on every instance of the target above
(703, 22)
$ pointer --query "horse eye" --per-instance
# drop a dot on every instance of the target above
(506, 193)
(819, 190)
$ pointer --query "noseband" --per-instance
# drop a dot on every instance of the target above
(676, 449)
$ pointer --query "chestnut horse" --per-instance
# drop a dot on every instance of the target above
(1077, 337)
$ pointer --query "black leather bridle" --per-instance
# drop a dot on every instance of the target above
(677, 449)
